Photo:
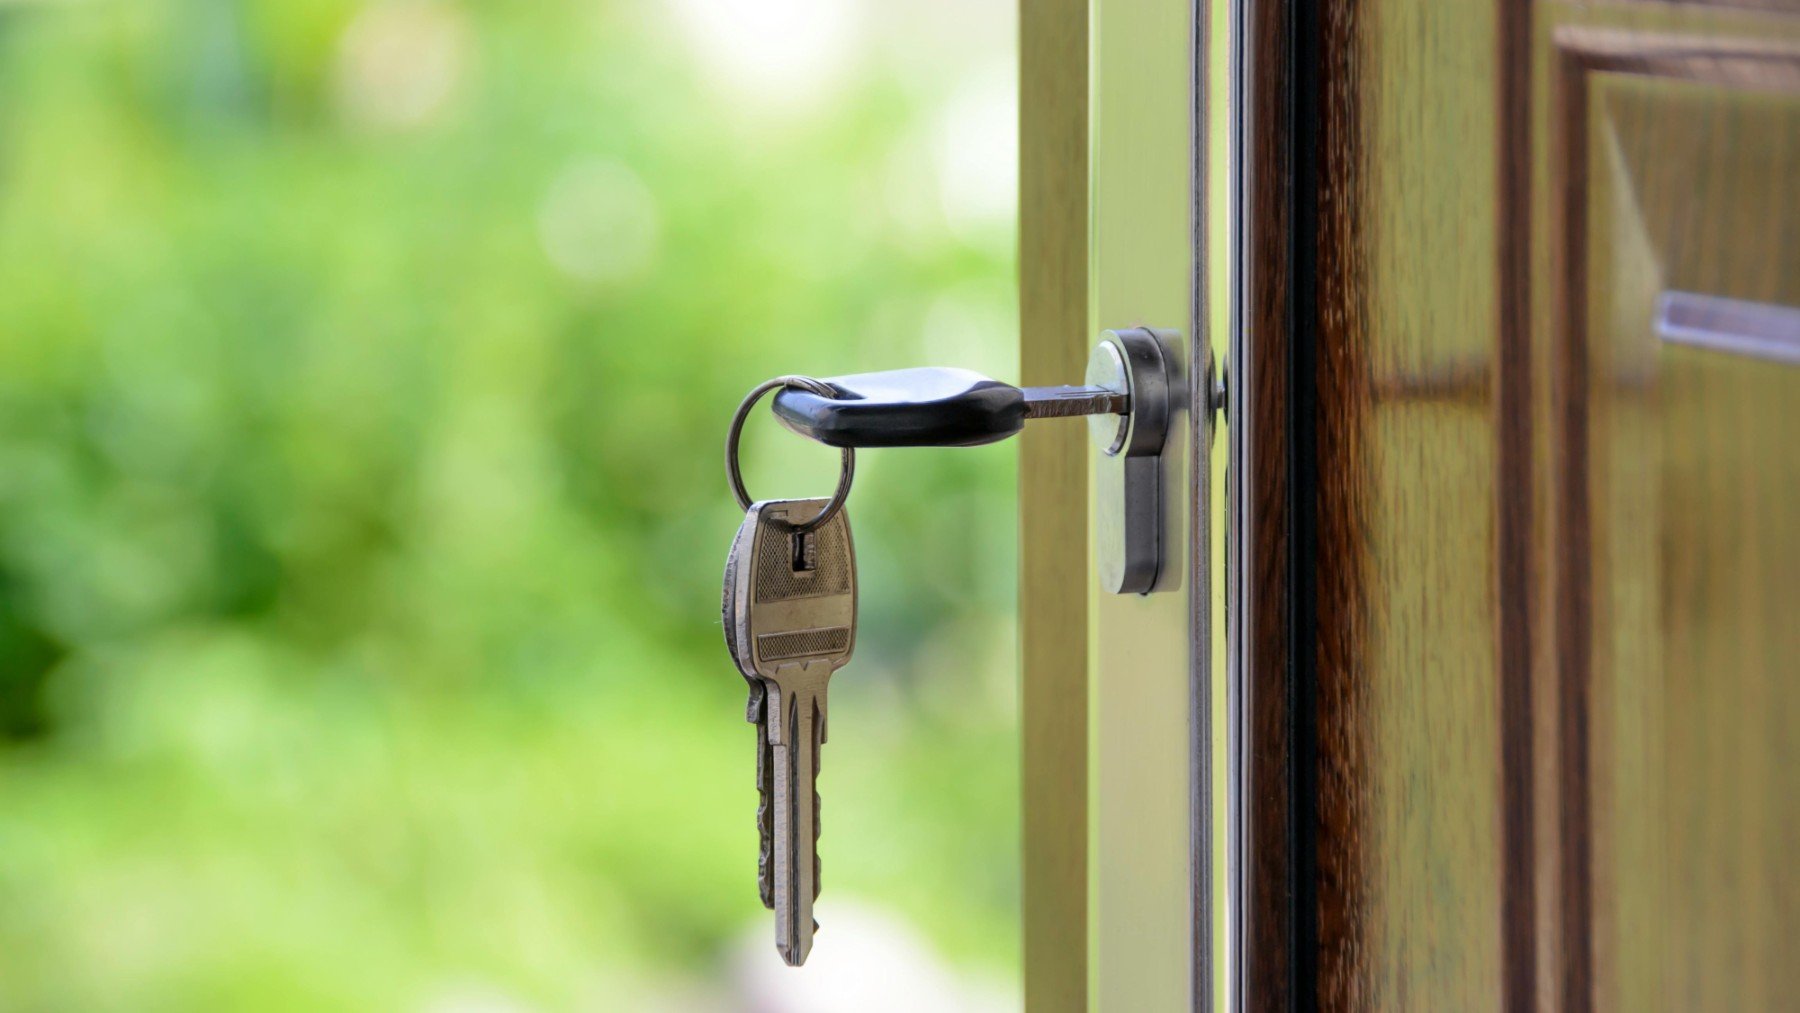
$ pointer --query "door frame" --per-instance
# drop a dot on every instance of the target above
(1121, 718)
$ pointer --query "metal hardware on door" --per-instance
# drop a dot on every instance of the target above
(1128, 475)
(1132, 389)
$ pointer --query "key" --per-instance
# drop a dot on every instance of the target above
(794, 624)
(754, 710)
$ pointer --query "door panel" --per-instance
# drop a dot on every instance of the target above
(1515, 372)
(1684, 169)
(1517, 518)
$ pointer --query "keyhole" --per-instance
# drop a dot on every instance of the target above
(805, 551)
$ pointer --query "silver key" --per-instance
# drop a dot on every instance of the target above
(794, 625)
(754, 711)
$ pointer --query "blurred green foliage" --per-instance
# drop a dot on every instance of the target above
(363, 376)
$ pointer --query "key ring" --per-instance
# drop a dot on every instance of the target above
(846, 471)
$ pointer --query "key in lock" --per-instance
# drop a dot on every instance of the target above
(1135, 387)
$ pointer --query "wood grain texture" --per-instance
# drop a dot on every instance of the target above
(1406, 245)
(1260, 419)
(1054, 580)
(1409, 512)
(1519, 728)
(1334, 396)
(1572, 540)
(1788, 6)
(1524, 946)
(1675, 150)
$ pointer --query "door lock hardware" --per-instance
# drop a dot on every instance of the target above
(1128, 500)
(1131, 391)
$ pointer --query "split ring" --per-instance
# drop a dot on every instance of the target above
(846, 471)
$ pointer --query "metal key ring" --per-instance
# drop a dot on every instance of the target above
(846, 471)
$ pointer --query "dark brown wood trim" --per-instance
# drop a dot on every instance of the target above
(1745, 64)
(1789, 6)
(1333, 392)
(1515, 502)
(1573, 594)
(1265, 361)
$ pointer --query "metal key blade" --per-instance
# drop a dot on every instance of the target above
(736, 621)
(797, 703)
(798, 625)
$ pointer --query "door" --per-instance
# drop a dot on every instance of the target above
(1520, 342)
(1476, 689)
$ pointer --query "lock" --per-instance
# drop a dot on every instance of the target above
(1131, 391)
(1128, 473)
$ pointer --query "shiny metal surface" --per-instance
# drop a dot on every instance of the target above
(1068, 402)
(792, 621)
(735, 474)
(1759, 330)
(1128, 508)
(1106, 370)
(732, 621)
(1238, 516)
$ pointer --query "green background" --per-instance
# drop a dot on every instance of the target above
(364, 370)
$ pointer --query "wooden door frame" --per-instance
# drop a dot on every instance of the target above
(1295, 86)
(1053, 564)
(1267, 707)
(1119, 906)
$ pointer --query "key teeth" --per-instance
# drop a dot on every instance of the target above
(765, 872)
(765, 821)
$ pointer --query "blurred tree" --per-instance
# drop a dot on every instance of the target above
(363, 371)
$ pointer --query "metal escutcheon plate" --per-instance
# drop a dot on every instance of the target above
(1127, 476)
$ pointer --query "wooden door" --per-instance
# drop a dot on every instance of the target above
(1516, 407)
(1509, 714)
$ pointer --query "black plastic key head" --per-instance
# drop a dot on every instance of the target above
(926, 407)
